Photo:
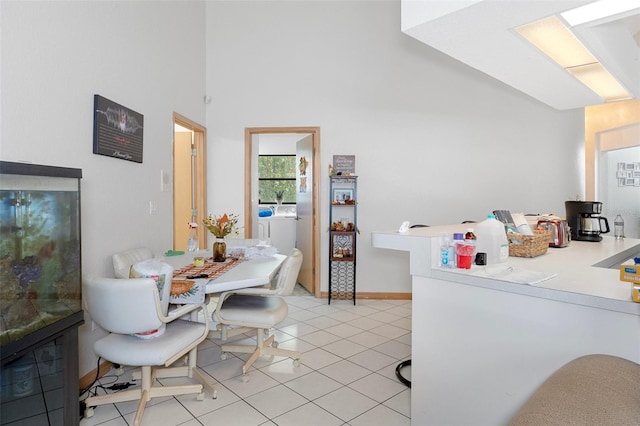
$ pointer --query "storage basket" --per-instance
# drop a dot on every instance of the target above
(521, 245)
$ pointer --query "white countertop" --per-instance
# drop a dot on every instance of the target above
(576, 280)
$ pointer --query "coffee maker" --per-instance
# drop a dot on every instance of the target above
(585, 221)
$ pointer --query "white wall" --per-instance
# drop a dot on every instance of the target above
(147, 56)
(435, 141)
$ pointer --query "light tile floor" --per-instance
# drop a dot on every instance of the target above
(346, 376)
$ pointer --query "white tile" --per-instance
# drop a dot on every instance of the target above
(276, 401)
(344, 348)
(377, 387)
(320, 338)
(390, 371)
(118, 421)
(394, 348)
(299, 329)
(346, 403)
(319, 358)
(303, 315)
(226, 369)
(169, 412)
(313, 385)
(368, 339)
(199, 408)
(258, 382)
(343, 330)
(344, 372)
(324, 309)
(372, 360)
(400, 311)
(192, 422)
(362, 310)
(406, 339)
(286, 322)
(284, 371)
(381, 416)
(238, 413)
(345, 316)
(308, 415)
(389, 331)
(401, 402)
(403, 323)
(365, 323)
(209, 355)
(297, 345)
(385, 317)
(323, 321)
(303, 302)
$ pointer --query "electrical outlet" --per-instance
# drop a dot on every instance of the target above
(152, 207)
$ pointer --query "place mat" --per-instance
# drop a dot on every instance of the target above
(211, 268)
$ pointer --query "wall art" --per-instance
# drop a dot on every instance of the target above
(117, 131)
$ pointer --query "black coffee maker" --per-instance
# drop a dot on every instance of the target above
(585, 221)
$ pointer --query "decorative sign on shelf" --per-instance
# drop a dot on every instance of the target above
(344, 164)
(628, 174)
(117, 131)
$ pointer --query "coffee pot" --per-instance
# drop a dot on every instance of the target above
(585, 221)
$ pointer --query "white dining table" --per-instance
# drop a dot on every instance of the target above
(248, 273)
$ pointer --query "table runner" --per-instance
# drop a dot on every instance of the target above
(213, 269)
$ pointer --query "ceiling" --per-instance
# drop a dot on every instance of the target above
(480, 33)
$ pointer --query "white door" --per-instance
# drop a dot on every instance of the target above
(304, 205)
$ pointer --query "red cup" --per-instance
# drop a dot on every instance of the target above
(464, 255)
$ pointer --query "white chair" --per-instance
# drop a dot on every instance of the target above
(123, 261)
(126, 306)
(258, 309)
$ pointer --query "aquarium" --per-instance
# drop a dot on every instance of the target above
(40, 267)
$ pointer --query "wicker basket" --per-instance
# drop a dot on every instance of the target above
(521, 245)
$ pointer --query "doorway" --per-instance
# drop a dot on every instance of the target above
(189, 181)
(308, 223)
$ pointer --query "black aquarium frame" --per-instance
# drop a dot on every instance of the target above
(14, 350)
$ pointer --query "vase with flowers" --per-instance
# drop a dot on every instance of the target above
(220, 227)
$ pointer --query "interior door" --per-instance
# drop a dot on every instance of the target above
(304, 205)
(189, 181)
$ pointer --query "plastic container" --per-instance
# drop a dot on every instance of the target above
(618, 227)
(192, 242)
(457, 237)
(492, 239)
(469, 235)
(465, 252)
(445, 250)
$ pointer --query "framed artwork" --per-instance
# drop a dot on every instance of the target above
(628, 174)
(343, 196)
(117, 131)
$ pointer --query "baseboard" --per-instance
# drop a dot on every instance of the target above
(380, 296)
(87, 379)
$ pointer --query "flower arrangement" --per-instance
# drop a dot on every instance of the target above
(221, 226)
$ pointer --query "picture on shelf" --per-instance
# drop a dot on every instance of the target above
(343, 196)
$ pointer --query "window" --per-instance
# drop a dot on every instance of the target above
(277, 176)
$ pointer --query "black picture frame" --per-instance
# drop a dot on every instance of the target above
(117, 130)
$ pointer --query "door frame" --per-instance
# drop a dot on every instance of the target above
(199, 188)
(249, 132)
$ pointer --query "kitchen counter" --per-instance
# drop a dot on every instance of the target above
(482, 344)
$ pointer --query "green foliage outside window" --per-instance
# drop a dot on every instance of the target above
(277, 176)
